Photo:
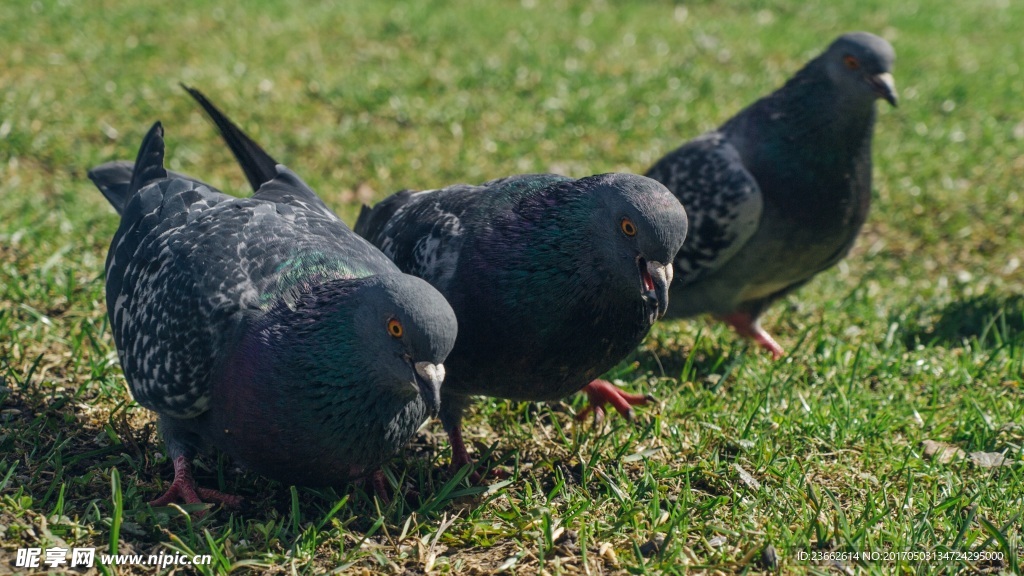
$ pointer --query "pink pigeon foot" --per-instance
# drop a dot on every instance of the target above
(601, 392)
(184, 489)
(749, 327)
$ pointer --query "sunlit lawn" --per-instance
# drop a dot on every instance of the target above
(743, 464)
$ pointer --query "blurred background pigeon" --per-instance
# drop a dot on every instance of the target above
(264, 327)
(780, 191)
(554, 280)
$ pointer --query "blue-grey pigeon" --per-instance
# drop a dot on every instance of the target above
(779, 192)
(265, 327)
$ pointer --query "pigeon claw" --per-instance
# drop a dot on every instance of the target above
(601, 392)
(764, 340)
(748, 327)
(183, 489)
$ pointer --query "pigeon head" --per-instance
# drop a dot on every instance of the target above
(860, 64)
(392, 330)
(636, 228)
(411, 328)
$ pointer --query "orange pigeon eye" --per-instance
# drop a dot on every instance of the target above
(627, 226)
(395, 328)
(851, 62)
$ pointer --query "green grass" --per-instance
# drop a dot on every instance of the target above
(919, 335)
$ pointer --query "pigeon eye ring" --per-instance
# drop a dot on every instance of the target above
(627, 226)
(851, 62)
(395, 328)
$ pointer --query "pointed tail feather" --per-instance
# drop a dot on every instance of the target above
(112, 179)
(149, 164)
(371, 221)
(258, 166)
(363, 221)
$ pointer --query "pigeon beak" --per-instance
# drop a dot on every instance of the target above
(657, 278)
(885, 86)
(428, 379)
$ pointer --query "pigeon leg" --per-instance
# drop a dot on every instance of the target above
(460, 456)
(379, 483)
(452, 408)
(184, 489)
(749, 327)
(601, 392)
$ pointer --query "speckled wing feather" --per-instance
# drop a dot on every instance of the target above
(423, 232)
(420, 231)
(200, 259)
(723, 202)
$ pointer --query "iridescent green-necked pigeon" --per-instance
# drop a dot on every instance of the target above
(265, 327)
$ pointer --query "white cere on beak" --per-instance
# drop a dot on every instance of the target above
(887, 79)
(660, 271)
(433, 373)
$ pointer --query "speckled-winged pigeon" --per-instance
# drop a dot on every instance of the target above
(779, 192)
(265, 327)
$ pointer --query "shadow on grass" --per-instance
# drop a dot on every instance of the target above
(708, 358)
(979, 317)
(58, 448)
